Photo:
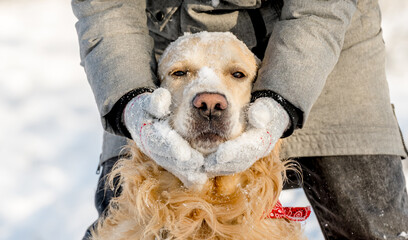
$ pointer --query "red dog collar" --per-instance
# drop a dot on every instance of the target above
(296, 214)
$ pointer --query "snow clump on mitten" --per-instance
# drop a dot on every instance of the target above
(260, 113)
(160, 101)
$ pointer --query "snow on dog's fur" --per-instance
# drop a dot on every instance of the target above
(154, 204)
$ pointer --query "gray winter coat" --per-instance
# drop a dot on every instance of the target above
(324, 58)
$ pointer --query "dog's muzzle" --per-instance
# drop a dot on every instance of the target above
(210, 117)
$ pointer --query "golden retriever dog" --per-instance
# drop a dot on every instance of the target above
(153, 203)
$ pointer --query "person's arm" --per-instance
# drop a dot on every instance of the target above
(302, 50)
(117, 54)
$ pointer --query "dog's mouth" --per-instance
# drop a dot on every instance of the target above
(206, 137)
(207, 143)
(210, 137)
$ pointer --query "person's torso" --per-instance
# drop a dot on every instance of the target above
(251, 21)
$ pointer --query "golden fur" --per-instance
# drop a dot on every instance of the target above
(155, 205)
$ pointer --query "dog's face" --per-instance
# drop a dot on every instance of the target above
(210, 77)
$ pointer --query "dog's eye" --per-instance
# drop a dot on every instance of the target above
(238, 75)
(179, 73)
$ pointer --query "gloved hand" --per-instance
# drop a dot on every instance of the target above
(267, 121)
(144, 117)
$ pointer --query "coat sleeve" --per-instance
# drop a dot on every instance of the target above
(117, 54)
(304, 47)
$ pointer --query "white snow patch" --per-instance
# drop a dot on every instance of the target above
(206, 81)
(404, 235)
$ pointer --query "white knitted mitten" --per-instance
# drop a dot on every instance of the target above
(267, 121)
(145, 119)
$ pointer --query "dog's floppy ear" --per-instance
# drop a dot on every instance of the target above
(258, 61)
(258, 65)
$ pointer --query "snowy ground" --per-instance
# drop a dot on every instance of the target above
(50, 134)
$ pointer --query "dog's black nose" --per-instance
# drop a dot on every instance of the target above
(210, 105)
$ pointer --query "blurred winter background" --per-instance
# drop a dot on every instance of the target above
(50, 134)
